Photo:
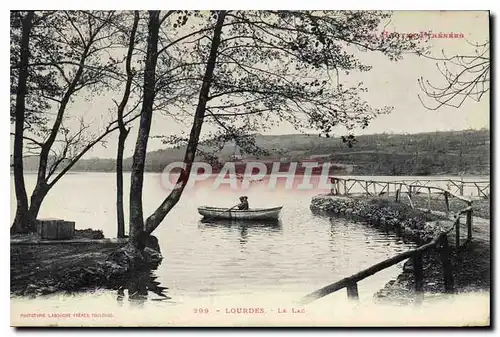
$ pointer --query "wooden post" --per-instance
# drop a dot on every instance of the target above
(350, 188)
(335, 186)
(397, 195)
(469, 221)
(388, 193)
(345, 187)
(462, 187)
(409, 191)
(447, 203)
(457, 233)
(411, 202)
(419, 278)
(429, 199)
(447, 267)
(352, 291)
(366, 188)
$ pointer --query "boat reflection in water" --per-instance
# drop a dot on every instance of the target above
(243, 226)
(272, 225)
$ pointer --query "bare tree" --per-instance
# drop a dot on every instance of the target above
(136, 237)
(464, 76)
(130, 73)
(66, 59)
(21, 196)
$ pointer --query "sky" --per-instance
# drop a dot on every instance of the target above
(389, 83)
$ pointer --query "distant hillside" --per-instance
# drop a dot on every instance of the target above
(434, 153)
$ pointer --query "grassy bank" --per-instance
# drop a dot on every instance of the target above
(481, 207)
(43, 269)
(471, 273)
(40, 269)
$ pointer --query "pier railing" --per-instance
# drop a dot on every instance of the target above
(340, 186)
(344, 186)
(439, 242)
(479, 189)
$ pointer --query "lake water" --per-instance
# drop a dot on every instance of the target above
(203, 262)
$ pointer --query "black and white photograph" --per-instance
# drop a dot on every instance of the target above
(250, 168)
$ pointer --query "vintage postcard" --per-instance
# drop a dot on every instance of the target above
(273, 168)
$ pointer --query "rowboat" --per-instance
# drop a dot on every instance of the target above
(237, 214)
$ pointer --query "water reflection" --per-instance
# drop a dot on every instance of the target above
(245, 228)
(137, 288)
(249, 223)
(242, 226)
(243, 235)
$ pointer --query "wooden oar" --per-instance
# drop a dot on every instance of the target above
(224, 211)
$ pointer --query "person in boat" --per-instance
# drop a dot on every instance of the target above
(243, 203)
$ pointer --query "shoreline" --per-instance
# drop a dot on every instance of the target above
(419, 227)
(89, 261)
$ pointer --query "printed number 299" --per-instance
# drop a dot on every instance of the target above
(201, 311)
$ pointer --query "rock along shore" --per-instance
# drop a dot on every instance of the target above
(416, 225)
(411, 224)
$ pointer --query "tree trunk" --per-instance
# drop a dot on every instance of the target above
(36, 203)
(21, 222)
(42, 186)
(124, 131)
(157, 217)
(136, 231)
(119, 184)
(37, 197)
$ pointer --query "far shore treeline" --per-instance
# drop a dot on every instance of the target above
(435, 153)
